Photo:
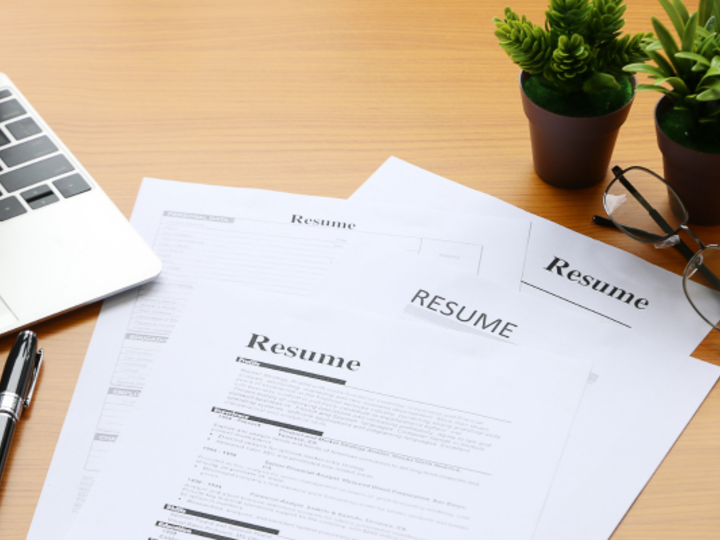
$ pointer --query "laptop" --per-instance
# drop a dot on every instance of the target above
(63, 243)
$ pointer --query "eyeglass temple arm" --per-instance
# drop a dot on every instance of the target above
(607, 222)
(664, 225)
(680, 246)
(654, 214)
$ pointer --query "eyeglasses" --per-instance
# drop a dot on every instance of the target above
(646, 208)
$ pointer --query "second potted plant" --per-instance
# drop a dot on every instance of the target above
(574, 90)
(687, 118)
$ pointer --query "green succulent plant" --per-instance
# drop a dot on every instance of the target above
(578, 49)
(689, 72)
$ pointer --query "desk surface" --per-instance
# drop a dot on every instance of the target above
(310, 97)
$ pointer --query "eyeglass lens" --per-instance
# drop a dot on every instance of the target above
(704, 269)
(628, 200)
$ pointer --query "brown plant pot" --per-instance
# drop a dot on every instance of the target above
(568, 152)
(695, 176)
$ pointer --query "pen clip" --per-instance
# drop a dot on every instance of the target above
(36, 371)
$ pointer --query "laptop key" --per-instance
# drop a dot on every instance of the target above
(35, 173)
(10, 109)
(71, 185)
(3, 139)
(10, 208)
(27, 151)
(39, 197)
(4, 94)
(23, 128)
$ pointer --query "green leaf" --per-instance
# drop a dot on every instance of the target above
(677, 83)
(644, 68)
(710, 24)
(650, 87)
(600, 82)
(711, 94)
(662, 63)
(712, 72)
(682, 10)
(693, 56)
(677, 98)
(704, 11)
(715, 62)
(706, 46)
(668, 43)
(674, 16)
(688, 38)
(688, 43)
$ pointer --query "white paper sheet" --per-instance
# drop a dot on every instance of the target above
(639, 398)
(398, 285)
(562, 266)
(267, 240)
(310, 421)
(646, 389)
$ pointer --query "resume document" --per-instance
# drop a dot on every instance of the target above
(264, 240)
(580, 295)
(563, 267)
(638, 400)
(275, 417)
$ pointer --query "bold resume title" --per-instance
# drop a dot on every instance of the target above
(562, 269)
(263, 343)
(319, 222)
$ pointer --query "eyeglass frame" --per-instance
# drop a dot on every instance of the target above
(671, 237)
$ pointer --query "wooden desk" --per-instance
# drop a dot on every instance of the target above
(310, 97)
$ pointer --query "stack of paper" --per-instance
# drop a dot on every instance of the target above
(315, 368)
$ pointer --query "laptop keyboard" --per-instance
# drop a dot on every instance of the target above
(34, 172)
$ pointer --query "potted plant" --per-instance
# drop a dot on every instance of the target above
(687, 117)
(574, 90)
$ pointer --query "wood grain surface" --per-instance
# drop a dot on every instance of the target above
(311, 96)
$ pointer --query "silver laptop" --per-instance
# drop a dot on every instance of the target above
(63, 243)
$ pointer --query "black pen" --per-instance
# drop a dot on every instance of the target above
(16, 387)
